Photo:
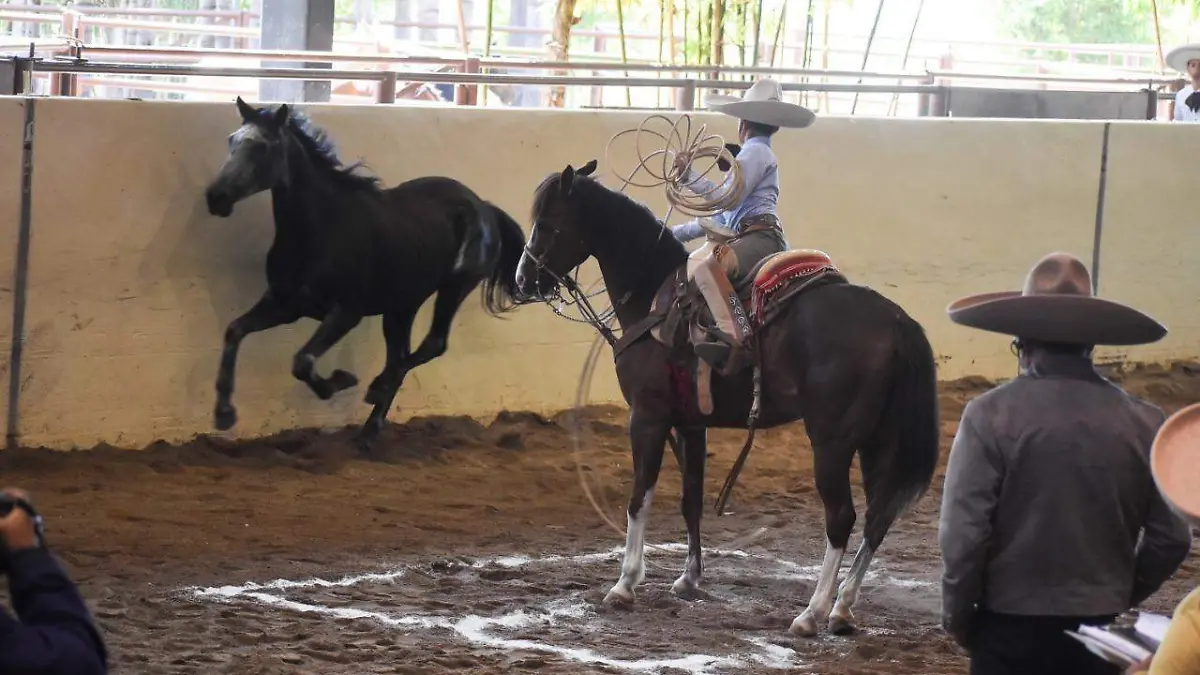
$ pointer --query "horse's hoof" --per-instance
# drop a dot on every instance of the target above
(686, 589)
(804, 626)
(841, 622)
(225, 417)
(619, 597)
(341, 379)
(840, 626)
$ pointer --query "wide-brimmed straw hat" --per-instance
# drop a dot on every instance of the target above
(1178, 58)
(1175, 461)
(763, 103)
(1057, 305)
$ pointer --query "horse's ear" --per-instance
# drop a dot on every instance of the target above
(281, 114)
(566, 180)
(245, 110)
(588, 168)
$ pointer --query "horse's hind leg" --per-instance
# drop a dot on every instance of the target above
(337, 323)
(397, 334)
(692, 458)
(832, 468)
(383, 389)
(266, 313)
(883, 506)
(648, 438)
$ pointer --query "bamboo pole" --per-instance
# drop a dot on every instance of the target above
(867, 51)
(779, 33)
(463, 37)
(904, 61)
(671, 31)
(1162, 64)
(487, 39)
(757, 31)
(624, 56)
(662, 38)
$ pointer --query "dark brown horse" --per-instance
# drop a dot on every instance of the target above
(849, 362)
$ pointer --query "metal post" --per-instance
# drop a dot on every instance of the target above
(297, 24)
(925, 100)
(468, 93)
(387, 88)
(685, 96)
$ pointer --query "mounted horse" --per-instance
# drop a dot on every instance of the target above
(849, 362)
(346, 248)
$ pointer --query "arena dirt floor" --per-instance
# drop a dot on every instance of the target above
(473, 549)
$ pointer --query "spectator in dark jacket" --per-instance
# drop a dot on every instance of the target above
(1050, 516)
(53, 633)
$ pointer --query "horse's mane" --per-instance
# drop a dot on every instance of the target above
(610, 206)
(320, 147)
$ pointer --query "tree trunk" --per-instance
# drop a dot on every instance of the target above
(564, 19)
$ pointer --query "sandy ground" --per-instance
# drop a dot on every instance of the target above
(487, 554)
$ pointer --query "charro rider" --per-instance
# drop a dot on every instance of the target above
(749, 231)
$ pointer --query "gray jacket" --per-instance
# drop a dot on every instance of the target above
(1047, 489)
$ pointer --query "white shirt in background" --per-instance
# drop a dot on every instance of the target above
(1182, 112)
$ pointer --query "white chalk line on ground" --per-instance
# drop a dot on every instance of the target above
(475, 628)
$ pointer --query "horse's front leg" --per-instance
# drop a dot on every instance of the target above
(648, 436)
(692, 457)
(266, 313)
(337, 323)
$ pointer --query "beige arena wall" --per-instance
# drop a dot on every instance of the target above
(132, 282)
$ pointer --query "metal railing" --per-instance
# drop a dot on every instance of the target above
(686, 88)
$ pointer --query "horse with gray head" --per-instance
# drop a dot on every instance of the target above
(849, 362)
(346, 248)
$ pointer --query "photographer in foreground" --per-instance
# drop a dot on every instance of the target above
(53, 632)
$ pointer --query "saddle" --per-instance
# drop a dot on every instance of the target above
(679, 317)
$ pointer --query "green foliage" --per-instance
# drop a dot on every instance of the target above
(1076, 21)
(1087, 21)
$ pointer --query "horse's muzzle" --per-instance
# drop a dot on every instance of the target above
(219, 204)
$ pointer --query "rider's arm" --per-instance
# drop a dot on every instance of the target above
(754, 161)
(688, 231)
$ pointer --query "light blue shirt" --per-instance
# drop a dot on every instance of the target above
(760, 189)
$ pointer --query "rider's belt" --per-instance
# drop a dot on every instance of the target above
(759, 223)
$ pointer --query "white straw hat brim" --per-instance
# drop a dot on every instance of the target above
(1178, 58)
(773, 113)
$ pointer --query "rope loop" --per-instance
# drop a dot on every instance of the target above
(659, 164)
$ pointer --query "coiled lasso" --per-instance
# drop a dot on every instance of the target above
(682, 194)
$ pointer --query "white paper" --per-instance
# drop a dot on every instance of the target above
(1152, 627)
(1127, 648)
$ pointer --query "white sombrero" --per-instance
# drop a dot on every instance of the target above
(1175, 461)
(1178, 58)
(763, 103)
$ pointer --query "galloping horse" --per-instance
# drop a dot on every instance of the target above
(849, 362)
(345, 248)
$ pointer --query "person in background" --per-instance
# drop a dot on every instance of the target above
(53, 633)
(1175, 463)
(1048, 484)
(1186, 59)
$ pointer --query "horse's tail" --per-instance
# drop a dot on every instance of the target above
(911, 412)
(500, 293)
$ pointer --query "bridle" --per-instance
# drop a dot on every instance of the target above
(601, 321)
